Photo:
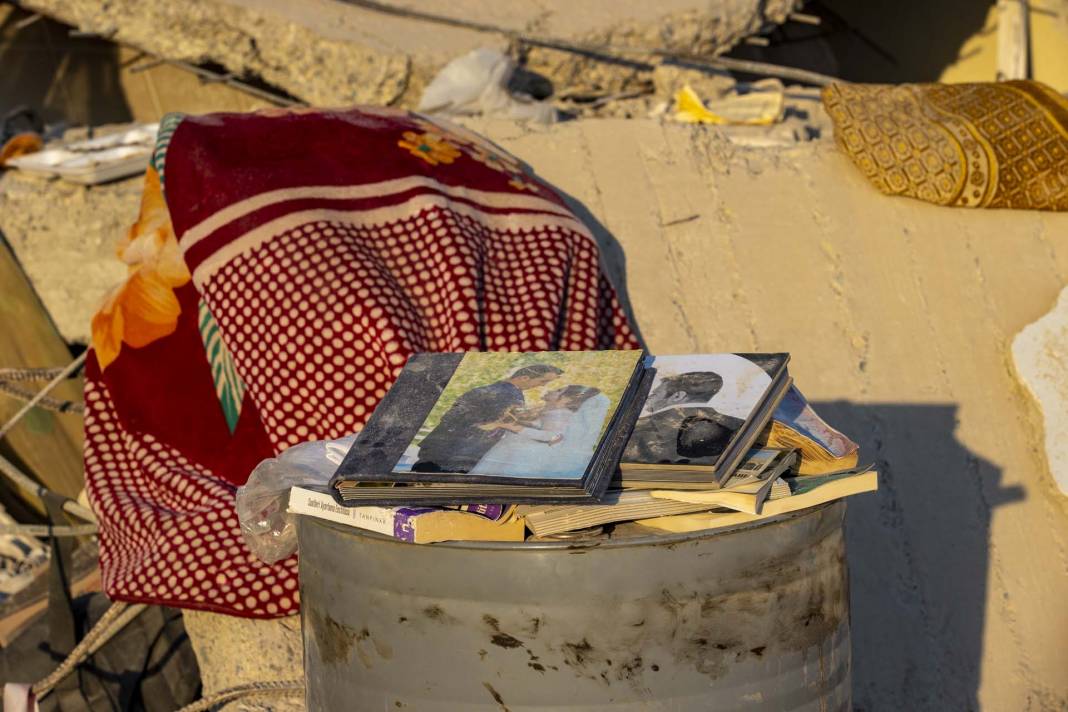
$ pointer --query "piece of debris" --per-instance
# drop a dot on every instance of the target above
(762, 105)
(21, 557)
(1039, 355)
(96, 160)
(20, 134)
(478, 83)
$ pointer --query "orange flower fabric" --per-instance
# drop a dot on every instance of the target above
(144, 308)
(431, 147)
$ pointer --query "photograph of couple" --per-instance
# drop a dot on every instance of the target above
(542, 419)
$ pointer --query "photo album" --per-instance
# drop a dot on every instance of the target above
(703, 414)
(465, 428)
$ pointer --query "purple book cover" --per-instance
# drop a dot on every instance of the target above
(404, 517)
(404, 521)
(489, 511)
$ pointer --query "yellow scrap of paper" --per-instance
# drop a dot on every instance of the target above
(761, 107)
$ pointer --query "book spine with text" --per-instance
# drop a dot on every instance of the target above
(395, 522)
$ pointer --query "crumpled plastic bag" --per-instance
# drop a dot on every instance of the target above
(477, 83)
(268, 529)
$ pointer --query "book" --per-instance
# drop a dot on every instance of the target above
(758, 464)
(418, 525)
(805, 492)
(703, 414)
(480, 427)
(630, 505)
(759, 485)
(822, 448)
(745, 492)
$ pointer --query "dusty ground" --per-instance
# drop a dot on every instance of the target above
(899, 316)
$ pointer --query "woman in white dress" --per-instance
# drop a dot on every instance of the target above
(558, 444)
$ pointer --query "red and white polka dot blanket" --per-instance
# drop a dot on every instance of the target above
(283, 268)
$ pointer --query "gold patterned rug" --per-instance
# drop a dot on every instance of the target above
(989, 145)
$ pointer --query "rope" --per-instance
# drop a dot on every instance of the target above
(29, 374)
(7, 468)
(47, 530)
(48, 402)
(114, 620)
(252, 689)
(56, 380)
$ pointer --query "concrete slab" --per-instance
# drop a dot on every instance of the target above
(64, 236)
(332, 53)
(900, 317)
(238, 651)
(1040, 354)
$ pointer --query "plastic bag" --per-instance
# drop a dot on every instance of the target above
(266, 526)
(477, 83)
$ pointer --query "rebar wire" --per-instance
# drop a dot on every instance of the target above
(30, 486)
(608, 53)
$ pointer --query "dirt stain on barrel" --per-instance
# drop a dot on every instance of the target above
(789, 604)
(496, 696)
(499, 637)
(533, 626)
(384, 649)
(503, 640)
(630, 669)
(437, 614)
(579, 657)
(335, 640)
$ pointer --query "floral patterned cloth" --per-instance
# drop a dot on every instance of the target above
(283, 268)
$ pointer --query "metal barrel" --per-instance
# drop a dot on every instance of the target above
(753, 618)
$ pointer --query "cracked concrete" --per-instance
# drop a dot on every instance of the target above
(1040, 354)
(332, 53)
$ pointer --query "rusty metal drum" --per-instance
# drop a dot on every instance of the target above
(751, 618)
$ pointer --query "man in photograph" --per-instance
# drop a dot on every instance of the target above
(459, 441)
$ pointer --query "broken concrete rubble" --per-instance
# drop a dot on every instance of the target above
(64, 236)
(1040, 355)
(330, 53)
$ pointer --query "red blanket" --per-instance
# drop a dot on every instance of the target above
(283, 268)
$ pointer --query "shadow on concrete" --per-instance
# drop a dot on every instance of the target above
(904, 41)
(74, 80)
(613, 261)
(919, 557)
